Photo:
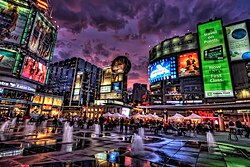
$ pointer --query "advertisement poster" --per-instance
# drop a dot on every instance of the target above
(57, 102)
(117, 87)
(38, 99)
(7, 61)
(188, 64)
(42, 38)
(48, 100)
(106, 76)
(238, 41)
(13, 21)
(216, 73)
(34, 70)
(105, 89)
(162, 69)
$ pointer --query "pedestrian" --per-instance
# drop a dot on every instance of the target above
(101, 122)
(121, 125)
(126, 125)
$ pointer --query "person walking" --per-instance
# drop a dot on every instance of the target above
(101, 122)
(126, 125)
(121, 125)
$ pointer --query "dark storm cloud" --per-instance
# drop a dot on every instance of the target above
(100, 30)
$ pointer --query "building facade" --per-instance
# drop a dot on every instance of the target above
(206, 73)
(77, 80)
(28, 37)
(139, 90)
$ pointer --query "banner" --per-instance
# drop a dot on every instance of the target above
(238, 41)
(13, 22)
(216, 73)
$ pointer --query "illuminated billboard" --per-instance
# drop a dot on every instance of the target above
(7, 61)
(188, 64)
(162, 69)
(116, 87)
(174, 45)
(34, 70)
(105, 89)
(238, 41)
(38, 99)
(48, 100)
(13, 22)
(42, 38)
(120, 65)
(216, 73)
(57, 101)
(106, 76)
(111, 96)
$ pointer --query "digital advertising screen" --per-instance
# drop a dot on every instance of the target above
(48, 100)
(105, 89)
(13, 22)
(126, 111)
(42, 38)
(106, 76)
(116, 87)
(188, 64)
(7, 61)
(38, 99)
(162, 69)
(34, 70)
(57, 101)
(238, 41)
(216, 72)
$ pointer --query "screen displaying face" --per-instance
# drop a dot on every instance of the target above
(162, 69)
(188, 64)
(34, 70)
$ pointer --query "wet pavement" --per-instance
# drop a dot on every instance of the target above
(45, 148)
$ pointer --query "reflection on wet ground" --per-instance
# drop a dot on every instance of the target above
(44, 147)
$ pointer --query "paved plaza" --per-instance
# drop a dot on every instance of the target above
(112, 148)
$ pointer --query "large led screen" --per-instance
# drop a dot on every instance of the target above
(188, 64)
(7, 61)
(106, 76)
(216, 73)
(13, 21)
(42, 38)
(162, 69)
(34, 70)
(238, 41)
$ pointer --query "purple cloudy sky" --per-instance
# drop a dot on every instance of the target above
(100, 30)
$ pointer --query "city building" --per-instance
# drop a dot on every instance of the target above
(139, 90)
(205, 72)
(28, 37)
(77, 80)
(176, 84)
(114, 96)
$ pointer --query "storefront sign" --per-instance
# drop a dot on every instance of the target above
(17, 86)
(216, 73)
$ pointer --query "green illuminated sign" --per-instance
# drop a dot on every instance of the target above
(216, 73)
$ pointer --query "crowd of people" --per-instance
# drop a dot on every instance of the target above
(131, 125)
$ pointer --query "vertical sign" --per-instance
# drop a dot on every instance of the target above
(216, 73)
(238, 41)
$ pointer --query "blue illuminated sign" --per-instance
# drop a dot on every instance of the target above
(163, 69)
